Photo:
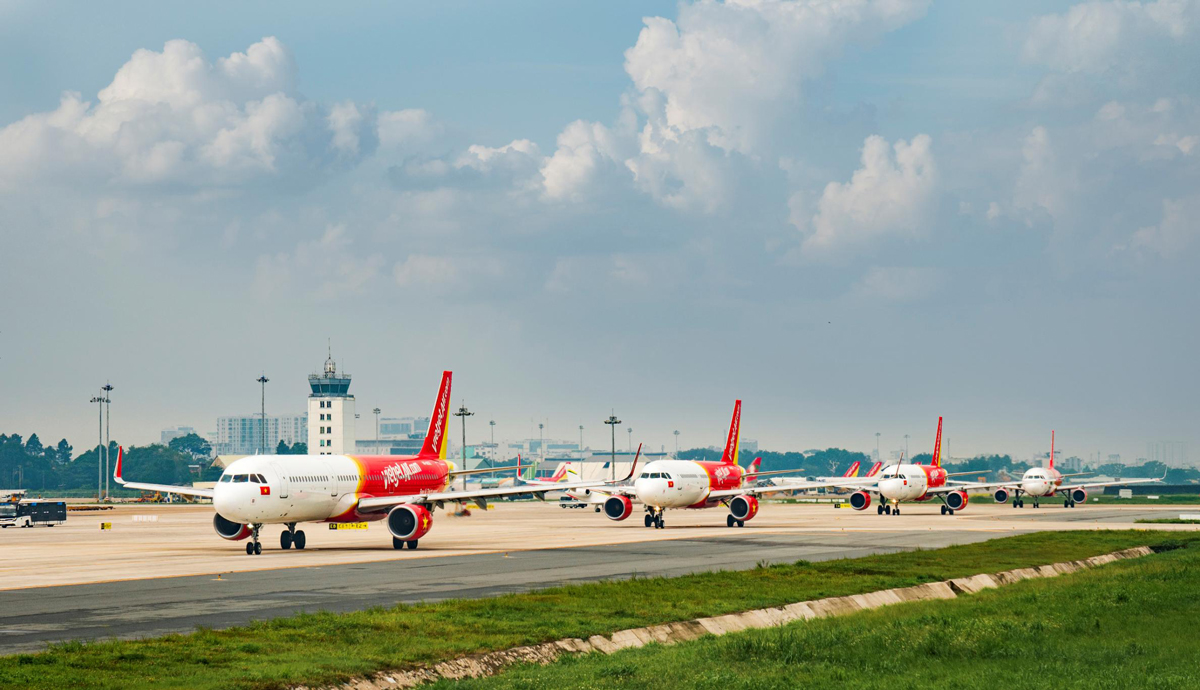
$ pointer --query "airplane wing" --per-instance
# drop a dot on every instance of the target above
(162, 488)
(483, 470)
(381, 503)
(1119, 482)
(969, 486)
(760, 490)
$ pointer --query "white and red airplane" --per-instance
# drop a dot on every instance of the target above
(903, 482)
(693, 484)
(1046, 482)
(288, 490)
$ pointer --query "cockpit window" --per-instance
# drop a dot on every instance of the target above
(241, 478)
(665, 475)
(227, 477)
(254, 478)
(645, 475)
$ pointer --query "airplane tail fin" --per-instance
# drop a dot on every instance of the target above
(1052, 449)
(435, 438)
(117, 471)
(731, 442)
(937, 447)
(875, 469)
(560, 472)
(852, 471)
(752, 470)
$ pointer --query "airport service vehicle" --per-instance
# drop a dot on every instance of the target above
(403, 491)
(693, 484)
(1046, 482)
(903, 482)
(32, 513)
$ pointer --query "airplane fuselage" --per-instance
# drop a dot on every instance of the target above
(909, 482)
(685, 483)
(1041, 481)
(283, 489)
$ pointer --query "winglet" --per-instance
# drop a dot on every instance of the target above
(731, 442)
(635, 462)
(937, 447)
(117, 471)
(435, 438)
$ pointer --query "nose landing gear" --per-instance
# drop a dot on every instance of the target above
(253, 548)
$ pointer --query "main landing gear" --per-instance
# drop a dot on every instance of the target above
(731, 521)
(888, 509)
(947, 511)
(401, 543)
(1020, 503)
(654, 518)
(1068, 503)
(291, 537)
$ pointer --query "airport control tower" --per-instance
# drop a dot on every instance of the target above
(330, 412)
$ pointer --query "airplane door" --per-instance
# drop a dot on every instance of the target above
(283, 480)
(334, 484)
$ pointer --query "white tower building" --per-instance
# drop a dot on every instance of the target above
(330, 412)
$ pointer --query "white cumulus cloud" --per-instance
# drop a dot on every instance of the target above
(890, 195)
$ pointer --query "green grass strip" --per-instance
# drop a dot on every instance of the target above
(1170, 521)
(326, 647)
(1129, 624)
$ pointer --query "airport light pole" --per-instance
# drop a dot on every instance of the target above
(492, 424)
(677, 443)
(263, 411)
(612, 422)
(107, 438)
(376, 411)
(463, 413)
(581, 439)
(906, 445)
(877, 446)
(630, 430)
(99, 400)
(541, 446)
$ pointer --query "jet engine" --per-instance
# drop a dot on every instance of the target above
(408, 522)
(1001, 495)
(743, 507)
(860, 500)
(957, 500)
(1079, 495)
(618, 507)
(228, 529)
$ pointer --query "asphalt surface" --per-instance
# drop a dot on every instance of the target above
(30, 618)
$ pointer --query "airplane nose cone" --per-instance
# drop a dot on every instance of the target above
(226, 504)
(891, 487)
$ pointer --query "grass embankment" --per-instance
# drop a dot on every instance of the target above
(324, 648)
(1169, 521)
(1129, 624)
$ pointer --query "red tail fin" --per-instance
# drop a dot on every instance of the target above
(1052, 449)
(875, 469)
(435, 438)
(731, 443)
(937, 447)
(852, 471)
(752, 470)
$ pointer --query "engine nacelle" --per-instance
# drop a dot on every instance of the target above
(1001, 495)
(860, 500)
(1079, 495)
(957, 500)
(743, 508)
(408, 521)
(618, 507)
(228, 529)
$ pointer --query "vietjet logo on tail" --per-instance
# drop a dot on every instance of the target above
(731, 443)
(937, 447)
(435, 439)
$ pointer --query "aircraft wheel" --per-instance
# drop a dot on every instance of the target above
(649, 519)
(661, 523)
(412, 544)
(249, 548)
(397, 543)
(729, 521)
(896, 511)
(257, 549)
(949, 511)
(1014, 503)
(285, 540)
(879, 510)
(887, 510)
(298, 539)
(741, 523)
(943, 510)
(1066, 504)
(597, 509)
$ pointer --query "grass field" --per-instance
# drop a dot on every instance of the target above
(323, 648)
(1129, 624)
(1164, 499)
(1169, 521)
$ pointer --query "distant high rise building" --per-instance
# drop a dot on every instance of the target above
(243, 434)
(171, 433)
(330, 412)
(748, 446)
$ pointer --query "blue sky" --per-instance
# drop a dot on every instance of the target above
(856, 215)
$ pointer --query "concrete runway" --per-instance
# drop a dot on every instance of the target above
(142, 578)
